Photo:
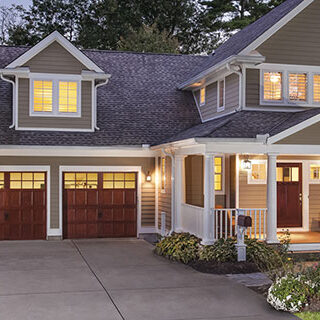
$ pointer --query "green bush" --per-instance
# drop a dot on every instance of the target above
(264, 256)
(223, 250)
(291, 293)
(182, 247)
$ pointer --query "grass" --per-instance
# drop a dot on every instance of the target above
(309, 315)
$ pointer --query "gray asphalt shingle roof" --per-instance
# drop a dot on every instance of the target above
(246, 36)
(246, 124)
(139, 105)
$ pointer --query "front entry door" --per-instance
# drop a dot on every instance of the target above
(289, 186)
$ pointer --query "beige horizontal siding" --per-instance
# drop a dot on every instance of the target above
(147, 190)
(314, 207)
(27, 121)
(252, 87)
(298, 41)
(232, 92)
(309, 136)
(55, 59)
(210, 108)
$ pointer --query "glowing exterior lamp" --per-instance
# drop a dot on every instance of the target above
(246, 164)
(148, 177)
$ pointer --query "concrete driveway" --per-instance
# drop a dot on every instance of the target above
(114, 280)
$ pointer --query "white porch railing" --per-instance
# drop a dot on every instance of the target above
(192, 219)
(226, 222)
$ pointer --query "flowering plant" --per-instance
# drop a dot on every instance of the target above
(291, 292)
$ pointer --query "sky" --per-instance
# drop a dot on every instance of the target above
(10, 2)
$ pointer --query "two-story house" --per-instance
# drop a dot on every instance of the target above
(117, 144)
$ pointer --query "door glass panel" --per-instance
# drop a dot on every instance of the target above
(279, 174)
(15, 184)
(119, 184)
(15, 175)
(119, 180)
(287, 174)
(1, 180)
(27, 185)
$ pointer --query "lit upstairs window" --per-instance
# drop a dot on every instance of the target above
(298, 87)
(272, 86)
(316, 88)
(202, 96)
(218, 173)
(68, 96)
(42, 96)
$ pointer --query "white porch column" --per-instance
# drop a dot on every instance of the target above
(209, 200)
(272, 199)
(179, 190)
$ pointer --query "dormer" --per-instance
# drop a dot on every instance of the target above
(54, 87)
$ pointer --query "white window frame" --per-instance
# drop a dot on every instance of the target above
(268, 102)
(260, 181)
(313, 163)
(223, 163)
(201, 104)
(317, 103)
(286, 70)
(221, 108)
(55, 95)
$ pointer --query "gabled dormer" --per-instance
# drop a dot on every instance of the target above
(54, 87)
(271, 65)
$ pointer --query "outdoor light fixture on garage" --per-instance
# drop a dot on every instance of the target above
(246, 164)
(148, 177)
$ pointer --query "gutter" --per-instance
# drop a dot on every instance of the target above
(232, 59)
(106, 80)
(173, 196)
(13, 99)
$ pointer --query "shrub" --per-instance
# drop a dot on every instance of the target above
(223, 250)
(266, 257)
(290, 293)
(182, 247)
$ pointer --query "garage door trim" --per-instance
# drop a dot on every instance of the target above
(18, 168)
(63, 169)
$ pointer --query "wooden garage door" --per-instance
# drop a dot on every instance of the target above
(22, 205)
(100, 205)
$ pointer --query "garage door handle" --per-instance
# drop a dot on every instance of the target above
(6, 216)
(100, 215)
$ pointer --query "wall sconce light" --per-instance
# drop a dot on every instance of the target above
(148, 177)
(246, 164)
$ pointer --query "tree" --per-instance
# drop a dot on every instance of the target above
(149, 39)
(9, 18)
(227, 16)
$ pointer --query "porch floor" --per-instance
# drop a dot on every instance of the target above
(304, 237)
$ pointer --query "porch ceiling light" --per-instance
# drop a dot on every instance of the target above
(246, 164)
(148, 177)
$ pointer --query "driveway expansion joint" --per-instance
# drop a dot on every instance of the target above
(100, 282)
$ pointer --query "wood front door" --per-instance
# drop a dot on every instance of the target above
(100, 205)
(289, 186)
(23, 205)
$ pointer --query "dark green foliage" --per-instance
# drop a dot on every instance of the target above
(181, 247)
(196, 26)
(221, 251)
(148, 39)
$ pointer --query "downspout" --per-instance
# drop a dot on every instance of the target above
(95, 101)
(13, 100)
(240, 74)
(173, 216)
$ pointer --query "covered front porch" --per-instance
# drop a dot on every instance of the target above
(280, 191)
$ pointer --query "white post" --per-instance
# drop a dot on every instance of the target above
(272, 199)
(208, 237)
(179, 190)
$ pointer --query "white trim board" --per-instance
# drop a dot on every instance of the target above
(76, 151)
(16, 168)
(137, 169)
(55, 36)
(294, 129)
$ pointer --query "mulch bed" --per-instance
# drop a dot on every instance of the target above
(224, 268)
